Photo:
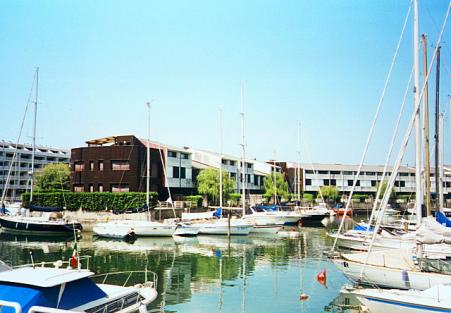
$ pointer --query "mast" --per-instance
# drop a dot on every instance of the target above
(427, 165)
(220, 158)
(437, 134)
(148, 161)
(275, 179)
(416, 93)
(243, 184)
(440, 181)
(34, 134)
(298, 168)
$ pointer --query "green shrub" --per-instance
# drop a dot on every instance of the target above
(234, 198)
(308, 197)
(359, 197)
(91, 201)
(194, 201)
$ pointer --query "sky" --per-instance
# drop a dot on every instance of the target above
(320, 64)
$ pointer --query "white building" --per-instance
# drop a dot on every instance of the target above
(342, 176)
(254, 170)
(20, 177)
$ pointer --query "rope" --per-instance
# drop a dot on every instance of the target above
(13, 160)
(370, 135)
(395, 134)
(167, 183)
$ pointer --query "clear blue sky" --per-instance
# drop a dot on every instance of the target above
(321, 63)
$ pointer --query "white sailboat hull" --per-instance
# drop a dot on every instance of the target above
(143, 228)
(221, 227)
(107, 230)
(186, 230)
(391, 277)
(394, 301)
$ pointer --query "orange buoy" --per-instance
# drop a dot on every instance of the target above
(322, 278)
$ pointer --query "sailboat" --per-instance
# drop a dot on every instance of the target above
(398, 268)
(148, 228)
(433, 299)
(49, 220)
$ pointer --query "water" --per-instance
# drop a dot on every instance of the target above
(208, 273)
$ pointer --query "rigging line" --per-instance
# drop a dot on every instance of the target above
(376, 117)
(167, 182)
(315, 172)
(395, 134)
(13, 160)
(379, 190)
(407, 136)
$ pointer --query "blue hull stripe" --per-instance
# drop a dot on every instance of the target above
(409, 305)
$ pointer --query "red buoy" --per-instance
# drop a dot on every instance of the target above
(322, 278)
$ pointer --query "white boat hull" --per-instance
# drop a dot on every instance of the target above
(221, 227)
(391, 277)
(186, 230)
(144, 228)
(107, 230)
(394, 301)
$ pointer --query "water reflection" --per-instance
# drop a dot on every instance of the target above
(208, 273)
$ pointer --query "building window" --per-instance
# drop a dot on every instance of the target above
(100, 188)
(182, 172)
(232, 163)
(249, 165)
(233, 175)
(248, 178)
(119, 188)
(120, 165)
(333, 182)
(308, 182)
(403, 174)
(335, 172)
(256, 180)
(79, 166)
(351, 182)
(348, 173)
(172, 154)
(326, 182)
(223, 161)
(91, 188)
(100, 165)
(373, 183)
(91, 165)
(184, 156)
(308, 171)
(175, 172)
(323, 172)
(79, 188)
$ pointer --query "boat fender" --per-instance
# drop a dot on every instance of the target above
(322, 278)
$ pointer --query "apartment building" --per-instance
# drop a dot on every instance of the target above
(119, 164)
(313, 176)
(20, 176)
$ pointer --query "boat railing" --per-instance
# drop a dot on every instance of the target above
(82, 263)
(128, 278)
(43, 309)
(14, 305)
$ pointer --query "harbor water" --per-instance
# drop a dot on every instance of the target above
(209, 273)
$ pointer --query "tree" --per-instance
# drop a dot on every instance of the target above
(208, 184)
(281, 185)
(330, 193)
(53, 177)
(383, 189)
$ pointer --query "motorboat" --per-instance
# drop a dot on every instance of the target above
(433, 299)
(65, 286)
(270, 215)
(314, 214)
(40, 221)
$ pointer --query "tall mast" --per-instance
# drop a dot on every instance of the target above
(298, 168)
(427, 165)
(34, 134)
(275, 179)
(441, 154)
(220, 157)
(148, 160)
(243, 184)
(416, 93)
(437, 133)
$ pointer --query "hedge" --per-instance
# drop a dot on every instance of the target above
(195, 201)
(359, 197)
(91, 201)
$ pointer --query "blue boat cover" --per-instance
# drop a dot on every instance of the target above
(362, 227)
(218, 213)
(442, 219)
(76, 293)
(267, 207)
(40, 208)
